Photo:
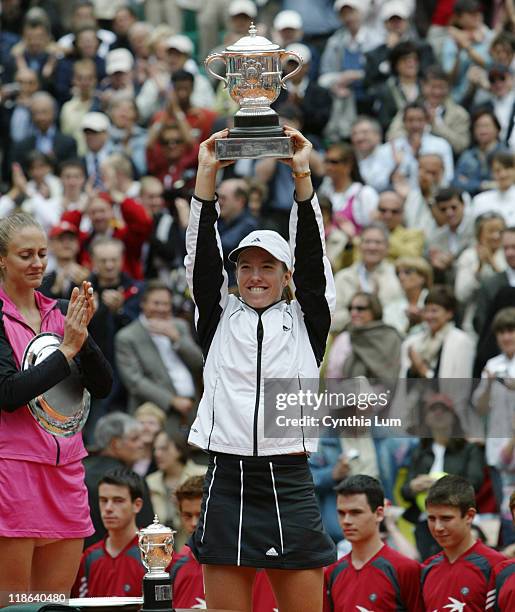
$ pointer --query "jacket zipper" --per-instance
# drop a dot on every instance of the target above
(260, 333)
(58, 456)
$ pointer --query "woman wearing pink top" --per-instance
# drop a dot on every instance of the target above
(44, 513)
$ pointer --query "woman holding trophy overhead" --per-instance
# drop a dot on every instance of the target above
(44, 512)
(259, 508)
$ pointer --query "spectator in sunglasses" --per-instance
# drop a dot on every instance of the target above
(503, 100)
(169, 157)
(403, 241)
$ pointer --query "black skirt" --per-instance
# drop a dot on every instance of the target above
(261, 512)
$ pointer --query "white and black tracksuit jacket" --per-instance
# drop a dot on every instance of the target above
(242, 347)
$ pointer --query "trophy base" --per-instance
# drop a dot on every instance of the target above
(157, 594)
(253, 148)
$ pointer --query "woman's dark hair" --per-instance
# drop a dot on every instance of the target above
(373, 304)
(35, 157)
(457, 440)
(443, 296)
(504, 320)
(480, 112)
(179, 440)
(401, 50)
(348, 155)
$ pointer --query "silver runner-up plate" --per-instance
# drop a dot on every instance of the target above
(253, 148)
(63, 409)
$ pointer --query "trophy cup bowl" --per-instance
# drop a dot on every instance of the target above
(63, 409)
(254, 80)
(156, 546)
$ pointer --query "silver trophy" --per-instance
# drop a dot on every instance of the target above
(156, 546)
(63, 409)
(254, 79)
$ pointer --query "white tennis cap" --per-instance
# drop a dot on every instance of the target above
(269, 241)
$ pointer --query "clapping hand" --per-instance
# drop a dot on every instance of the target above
(76, 322)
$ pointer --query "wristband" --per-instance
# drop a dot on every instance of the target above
(299, 175)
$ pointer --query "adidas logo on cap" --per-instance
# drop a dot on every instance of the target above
(256, 240)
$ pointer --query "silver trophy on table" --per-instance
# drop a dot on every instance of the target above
(156, 546)
(254, 80)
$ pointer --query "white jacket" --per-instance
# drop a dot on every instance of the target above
(243, 348)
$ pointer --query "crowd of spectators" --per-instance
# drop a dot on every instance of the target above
(410, 106)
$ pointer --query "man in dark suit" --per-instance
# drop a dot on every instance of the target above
(158, 360)
(45, 137)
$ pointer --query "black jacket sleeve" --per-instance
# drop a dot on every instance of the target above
(205, 272)
(96, 372)
(310, 279)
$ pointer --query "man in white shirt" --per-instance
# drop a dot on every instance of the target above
(419, 141)
(447, 242)
(376, 160)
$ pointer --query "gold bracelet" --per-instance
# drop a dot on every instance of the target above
(299, 175)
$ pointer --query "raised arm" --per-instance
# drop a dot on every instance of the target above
(205, 273)
(312, 276)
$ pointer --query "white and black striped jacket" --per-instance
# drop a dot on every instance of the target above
(242, 347)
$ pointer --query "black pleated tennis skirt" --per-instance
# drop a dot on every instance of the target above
(261, 512)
